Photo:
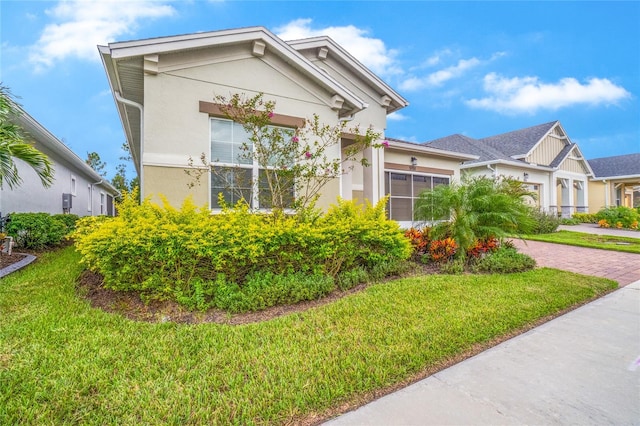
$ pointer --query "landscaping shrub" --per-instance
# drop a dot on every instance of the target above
(37, 230)
(69, 221)
(569, 221)
(166, 253)
(618, 217)
(544, 223)
(585, 217)
(452, 267)
(504, 260)
(265, 289)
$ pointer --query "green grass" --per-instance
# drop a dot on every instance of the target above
(63, 362)
(606, 242)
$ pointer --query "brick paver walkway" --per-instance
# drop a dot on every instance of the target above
(621, 267)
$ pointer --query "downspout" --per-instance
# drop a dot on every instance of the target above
(129, 102)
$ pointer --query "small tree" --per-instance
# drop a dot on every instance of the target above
(119, 180)
(13, 146)
(96, 163)
(479, 207)
(292, 161)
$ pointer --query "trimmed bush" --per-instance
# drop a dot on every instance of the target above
(585, 217)
(545, 223)
(194, 257)
(37, 231)
(504, 260)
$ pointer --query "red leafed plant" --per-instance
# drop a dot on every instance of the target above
(483, 246)
(442, 250)
(419, 241)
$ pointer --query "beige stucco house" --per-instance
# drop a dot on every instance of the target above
(165, 87)
(543, 157)
(616, 182)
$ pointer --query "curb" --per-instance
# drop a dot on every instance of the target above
(18, 265)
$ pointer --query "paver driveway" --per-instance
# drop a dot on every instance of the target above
(621, 267)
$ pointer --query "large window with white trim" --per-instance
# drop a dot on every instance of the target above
(403, 190)
(235, 172)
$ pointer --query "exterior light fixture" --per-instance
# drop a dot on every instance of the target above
(414, 161)
(526, 176)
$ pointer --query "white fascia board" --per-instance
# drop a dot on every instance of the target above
(121, 50)
(550, 131)
(508, 163)
(632, 177)
(411, 147)
(346, 58)
(38, 132)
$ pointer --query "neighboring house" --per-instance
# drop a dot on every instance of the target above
(616, 182)
(164, 90)
(543, 157)
(76, 188)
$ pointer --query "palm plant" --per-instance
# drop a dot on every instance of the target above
(478, 207)
(13, 146)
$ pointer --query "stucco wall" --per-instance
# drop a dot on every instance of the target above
(175, 128)
(31, 196)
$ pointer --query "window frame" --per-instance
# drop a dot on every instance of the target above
(254, 166)
(413, 197)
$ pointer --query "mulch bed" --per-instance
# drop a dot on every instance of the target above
(130, 305)
(9, 259)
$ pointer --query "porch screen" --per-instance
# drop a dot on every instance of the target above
(404, 189)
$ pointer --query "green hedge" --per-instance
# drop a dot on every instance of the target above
(166, 253)
(40, 230)
(618, 217)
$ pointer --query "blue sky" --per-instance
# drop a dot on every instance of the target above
(475, 68)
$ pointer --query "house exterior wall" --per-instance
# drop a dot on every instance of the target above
(572, 165)
(598, 195)
(31, 196)
(175, 129)
(546, 151)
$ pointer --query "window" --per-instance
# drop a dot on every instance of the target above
(404, 189)
(235, 174)
(73, 185)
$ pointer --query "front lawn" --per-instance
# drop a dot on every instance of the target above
(606, 242)
(62, 361)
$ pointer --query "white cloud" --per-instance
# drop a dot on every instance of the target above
(396, 116)
(372, 52)
(78, 26)
(529, 94)
(439, 77)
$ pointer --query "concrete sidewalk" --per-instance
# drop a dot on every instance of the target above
(591, 228)
(580, 368)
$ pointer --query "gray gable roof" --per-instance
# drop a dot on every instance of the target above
(619, 165)
(562, 155)
(467, 145)
(519, 142)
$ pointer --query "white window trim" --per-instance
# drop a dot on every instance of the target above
(255, 170)
(74, 186)
(410, 173)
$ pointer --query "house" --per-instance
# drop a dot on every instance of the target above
(543, 157)
(164, 89)
(76, 188)
(616, 182)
